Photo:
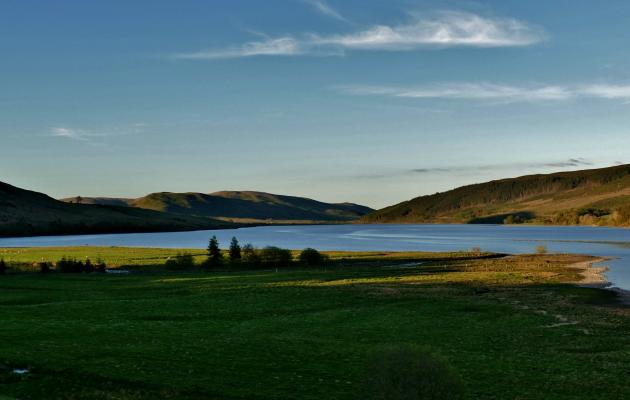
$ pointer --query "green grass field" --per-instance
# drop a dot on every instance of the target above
(512, 328)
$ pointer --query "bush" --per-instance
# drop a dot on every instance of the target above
(100, 267)
(405, 373)
(43, 267)
(250, 256)
(275, 257)
(312, 257)
(69, 266)
(180, 262)
(3, 267)
(88, 267)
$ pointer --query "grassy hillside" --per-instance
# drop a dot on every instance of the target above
(589, 197)
(510, 328)
(243, 206)
(26, 213)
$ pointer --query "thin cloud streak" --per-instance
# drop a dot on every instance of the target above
(577, 162)
(83, 135)
(439, 30)
(324, 8)
(571, 162)
(493, 92)
(284, 46)
(69, 133)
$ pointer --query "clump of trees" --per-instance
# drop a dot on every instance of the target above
(275, 257)
(181, 262)
(247, 256)
(73, 266)
(3, 267)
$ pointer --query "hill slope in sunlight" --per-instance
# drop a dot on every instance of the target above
(587, 197)
(243, 206)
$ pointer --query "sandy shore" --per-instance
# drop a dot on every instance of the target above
(593, 277)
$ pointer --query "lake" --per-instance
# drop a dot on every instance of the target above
(611, 242)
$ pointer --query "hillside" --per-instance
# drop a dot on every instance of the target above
(587, 197)
(242, 206)
(27, 213)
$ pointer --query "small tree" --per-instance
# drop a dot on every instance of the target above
(235, 251)
(214, 252)
(275, 257)
(3, 267)
(251, 256)
(312, 257)
(181, 262)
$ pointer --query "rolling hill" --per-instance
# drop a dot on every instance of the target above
(587, 197)
(28, 213)
(242, 206)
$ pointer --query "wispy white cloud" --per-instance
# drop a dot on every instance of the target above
(493, 92)
(83, 135)
(284, 46)
(70, 133)
(438, 30)
(470, 91)
(324, 8)
(607, 91)
(445, 29)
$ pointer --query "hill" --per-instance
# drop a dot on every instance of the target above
(28, 213)
(587, 197)
(244, 206)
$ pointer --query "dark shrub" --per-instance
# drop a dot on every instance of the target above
(250, 256)
(100, 267)
(180, 262)
(275, 257)
(408, 374)
(312, 257)
(88, 267)
(3, 267)
(69, 266)
(43, 267)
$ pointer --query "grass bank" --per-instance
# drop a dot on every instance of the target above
(511, 327)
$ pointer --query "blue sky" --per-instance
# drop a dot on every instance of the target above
(370, 101)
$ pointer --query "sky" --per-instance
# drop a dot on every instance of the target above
(368, 101)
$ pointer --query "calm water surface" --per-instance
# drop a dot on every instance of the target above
(610, 242)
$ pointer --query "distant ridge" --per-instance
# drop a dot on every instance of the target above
(587, 197)
(27, 213)
(242, 206)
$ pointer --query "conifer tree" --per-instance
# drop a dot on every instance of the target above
(235, 251)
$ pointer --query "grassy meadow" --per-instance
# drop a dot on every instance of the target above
(510, 327)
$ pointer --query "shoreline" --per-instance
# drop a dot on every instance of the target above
(595, 278)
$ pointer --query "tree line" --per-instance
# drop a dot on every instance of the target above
(247, 256)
